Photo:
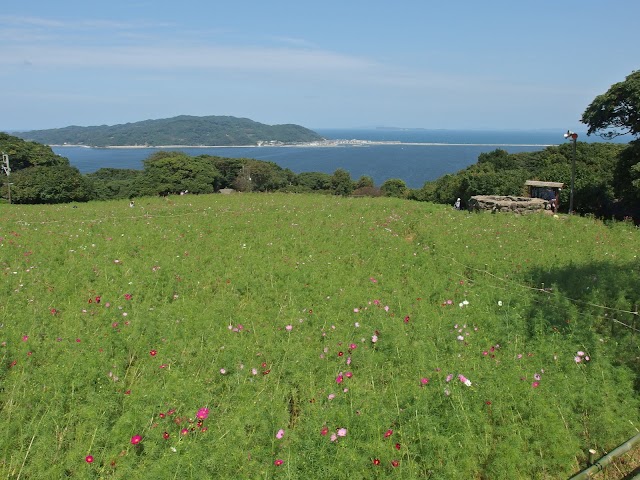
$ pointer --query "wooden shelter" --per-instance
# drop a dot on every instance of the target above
(546, 190)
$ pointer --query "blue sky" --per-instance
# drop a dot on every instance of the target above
(348, 63)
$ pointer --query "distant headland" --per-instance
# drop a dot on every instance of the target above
(180, 131)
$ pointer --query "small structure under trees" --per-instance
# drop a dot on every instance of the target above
(549, 191)
(542, 196)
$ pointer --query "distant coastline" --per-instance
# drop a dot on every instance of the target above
(320, 144)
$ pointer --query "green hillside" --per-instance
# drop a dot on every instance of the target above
(181, 130)
(312, 336)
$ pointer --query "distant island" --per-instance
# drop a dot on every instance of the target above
(183, 130)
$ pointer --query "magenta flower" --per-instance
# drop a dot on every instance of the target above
(280, 434)
(388, 433)
(424, 381)
(278, 462)
(535, 384)
(136, 439)
(88, 459)
(464, 380)
(203, 413)
(339, 378)
(324, 431)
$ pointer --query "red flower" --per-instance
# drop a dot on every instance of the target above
(165, 435)
(397, 446)
(98, 299)
(340, 354)
(278, 462)
(324, 430)
(161, 415)
(388, 433)
(376, 461)
(88, 459)
(153, 353)
(128, 296)
(395, 463)
(406, 319)
(136, 439)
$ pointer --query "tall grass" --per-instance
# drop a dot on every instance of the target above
(327, 337)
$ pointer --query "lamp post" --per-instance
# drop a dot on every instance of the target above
(9, 187)
(573, 137)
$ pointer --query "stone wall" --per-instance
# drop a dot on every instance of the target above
(520, 205)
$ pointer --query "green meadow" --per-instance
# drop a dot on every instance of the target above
(312, 336)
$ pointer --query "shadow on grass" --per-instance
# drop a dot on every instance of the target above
(591, 301)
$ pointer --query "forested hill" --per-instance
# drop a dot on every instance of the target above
(181, 130)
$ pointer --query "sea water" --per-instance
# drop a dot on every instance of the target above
(413, 155)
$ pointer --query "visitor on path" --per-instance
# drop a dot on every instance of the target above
(457, 204)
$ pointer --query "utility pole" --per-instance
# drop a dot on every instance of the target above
(7, 170)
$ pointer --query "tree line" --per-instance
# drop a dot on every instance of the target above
(607, 182)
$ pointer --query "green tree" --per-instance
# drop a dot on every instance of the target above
(175, 172)
(314, 181)
(23, 154)
(618, 109)
(44, 184)
(116, 183)
(394, 187)
(341, 183)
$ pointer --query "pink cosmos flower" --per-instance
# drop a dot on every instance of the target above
(342, 432)
(331, 396)
(535, 384)
(333, 437)
(88, 459)
(278, 462)
(374, 339)
(449, 377)
(356, 310)
(464, 380)
(136, 439)
(348, 374)
(289, 328)
(424, 380)
(280, 434)
(339, 378)
(203, 413)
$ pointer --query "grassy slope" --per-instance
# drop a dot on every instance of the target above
(214, 281)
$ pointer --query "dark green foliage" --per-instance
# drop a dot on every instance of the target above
(314, 181)
(24, 154)
(618, 109)
(341, 183)
(364, 181)
(44, 184)
(115, 183)
(394, 187)
(501, 173)
(181, 130)
(174, 172)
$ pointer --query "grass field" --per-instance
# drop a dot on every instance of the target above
(301, 336)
